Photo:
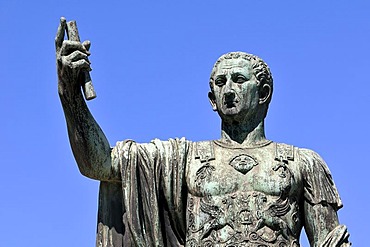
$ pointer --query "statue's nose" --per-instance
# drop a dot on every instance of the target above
(229, 95)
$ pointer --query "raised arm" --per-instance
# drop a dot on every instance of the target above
(90, 147)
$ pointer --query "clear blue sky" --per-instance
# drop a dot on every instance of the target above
(151, 63)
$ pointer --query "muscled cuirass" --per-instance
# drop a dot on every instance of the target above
(243, 196)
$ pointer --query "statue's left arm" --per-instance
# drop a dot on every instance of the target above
(321, 202)
(320, 220)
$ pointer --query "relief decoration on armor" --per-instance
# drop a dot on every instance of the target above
(238, 219)
(283, 154)
(243, 163)
(205, 153)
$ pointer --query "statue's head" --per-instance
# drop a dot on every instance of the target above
(241, 87)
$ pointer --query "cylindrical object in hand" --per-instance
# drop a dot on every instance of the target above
(87, 86)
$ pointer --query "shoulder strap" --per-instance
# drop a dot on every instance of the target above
(204, 151)
(284, 152)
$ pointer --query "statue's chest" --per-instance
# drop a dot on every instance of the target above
(215, 170)
(242, 197)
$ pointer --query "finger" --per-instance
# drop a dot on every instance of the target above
(81, 65)
(87, 44)
(60, 33)
(70, 46)
(76, 55)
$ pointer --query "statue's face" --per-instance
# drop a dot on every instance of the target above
(235, 92)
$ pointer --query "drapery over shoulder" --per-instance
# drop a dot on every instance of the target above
(319, 186)
(148, 207)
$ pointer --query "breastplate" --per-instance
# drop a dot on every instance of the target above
(228, 207)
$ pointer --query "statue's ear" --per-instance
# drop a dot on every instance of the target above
(212, 100)
(264, 93)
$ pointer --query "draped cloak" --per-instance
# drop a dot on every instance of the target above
(148, 208)
(144, 203)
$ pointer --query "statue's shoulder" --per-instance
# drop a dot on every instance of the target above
(291, 152)
(318, 179)
(204, 150)
(309, 162)
(308, 156)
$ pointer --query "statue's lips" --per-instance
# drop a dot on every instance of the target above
(231, 103)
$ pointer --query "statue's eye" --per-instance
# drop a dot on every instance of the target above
(220, 82)
(240, 79)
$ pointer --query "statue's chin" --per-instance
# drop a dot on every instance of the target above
(230, 111)
(231, 115)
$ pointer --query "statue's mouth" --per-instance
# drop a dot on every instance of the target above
(230, 103)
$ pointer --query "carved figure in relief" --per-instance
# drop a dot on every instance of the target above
(240, 190)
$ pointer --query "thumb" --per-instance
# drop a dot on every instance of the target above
(87, 44)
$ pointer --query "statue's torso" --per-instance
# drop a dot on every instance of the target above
(243, 197)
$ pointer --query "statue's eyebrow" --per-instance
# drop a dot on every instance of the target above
(223, 76)
(236, 73)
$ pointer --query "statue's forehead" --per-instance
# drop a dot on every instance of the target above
(233, 63)
(237, 65)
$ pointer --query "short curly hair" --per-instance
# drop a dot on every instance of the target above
(260, 68)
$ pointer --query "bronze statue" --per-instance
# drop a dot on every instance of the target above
(240, 190)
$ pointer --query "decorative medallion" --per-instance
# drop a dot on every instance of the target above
(243, 163)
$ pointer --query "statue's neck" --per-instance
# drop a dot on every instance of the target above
(247, 135)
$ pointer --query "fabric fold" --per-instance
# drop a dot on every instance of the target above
(148, 207)
(319, 186)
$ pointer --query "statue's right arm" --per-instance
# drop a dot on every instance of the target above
(90, 146)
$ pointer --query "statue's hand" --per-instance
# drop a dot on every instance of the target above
(72, 58)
